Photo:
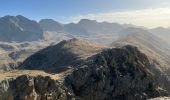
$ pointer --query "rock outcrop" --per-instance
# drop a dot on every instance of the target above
(33, 88)
(157, 50)
(112, 74)
(116, 74)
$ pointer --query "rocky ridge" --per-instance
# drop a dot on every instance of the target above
(59, 57)
(116, 74)
(113, 74)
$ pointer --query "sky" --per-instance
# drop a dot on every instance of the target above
(148, 13)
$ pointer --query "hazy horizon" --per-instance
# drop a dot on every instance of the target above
(147, 13)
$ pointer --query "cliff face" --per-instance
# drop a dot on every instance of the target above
(116, 74)
(33, 88)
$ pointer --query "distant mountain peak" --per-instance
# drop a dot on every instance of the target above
(21, 16)
(48, 20)
(50, 25)
(87, 20)
(14, 17)
(19, 28)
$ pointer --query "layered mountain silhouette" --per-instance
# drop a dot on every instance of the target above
(83, 27)
(100, 32)
(19, 28)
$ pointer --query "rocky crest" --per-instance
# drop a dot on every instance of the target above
(62, 55)
(112, 74)
(116, 74)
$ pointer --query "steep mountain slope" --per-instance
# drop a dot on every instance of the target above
(161, 32)
(117, 74)
(19, 28)
(62, 55)
(155, 48)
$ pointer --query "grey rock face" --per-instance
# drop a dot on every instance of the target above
(116, 74)
(157, 50)
(33, 88)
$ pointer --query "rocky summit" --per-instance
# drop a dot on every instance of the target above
(116, 74)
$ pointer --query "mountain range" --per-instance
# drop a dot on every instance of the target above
(19, 29)
(88, 60)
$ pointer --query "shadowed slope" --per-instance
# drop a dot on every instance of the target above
(62, 55)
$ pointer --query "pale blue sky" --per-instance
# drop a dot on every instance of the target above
(64, 8)
(67, 10)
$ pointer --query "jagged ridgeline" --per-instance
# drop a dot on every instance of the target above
(59, 57)
(117, 74)
(113, 74)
